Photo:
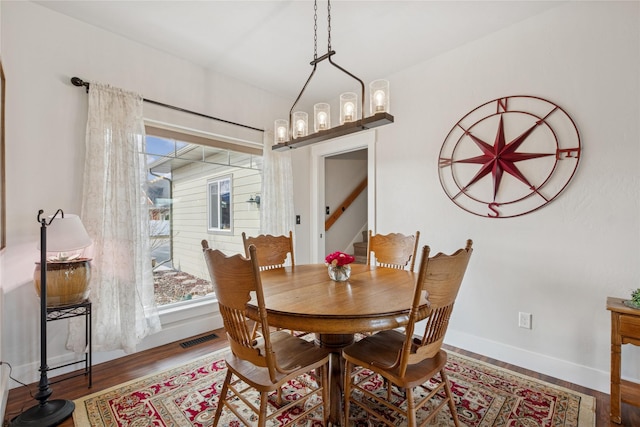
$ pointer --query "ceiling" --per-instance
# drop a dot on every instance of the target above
(269, 44)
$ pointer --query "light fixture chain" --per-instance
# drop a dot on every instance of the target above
(315, 29)
(302, 138)
(328, 26)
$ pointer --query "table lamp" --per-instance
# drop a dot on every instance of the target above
(69, 278)
(68, 273)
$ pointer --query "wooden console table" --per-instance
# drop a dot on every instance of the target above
(625, 329)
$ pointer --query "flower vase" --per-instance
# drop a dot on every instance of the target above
(340, 273)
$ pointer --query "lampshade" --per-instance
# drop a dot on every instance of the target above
(300, 124)
(66, 234)
(322, 116)
(281, 131)
(379, 93)
(348, 107)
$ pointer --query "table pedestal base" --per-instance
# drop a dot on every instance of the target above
(335, 342)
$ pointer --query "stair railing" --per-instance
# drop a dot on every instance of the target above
(345, 204)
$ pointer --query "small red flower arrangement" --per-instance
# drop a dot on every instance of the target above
(338, 259)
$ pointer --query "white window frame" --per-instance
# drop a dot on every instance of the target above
(217, 181)
(183, 319)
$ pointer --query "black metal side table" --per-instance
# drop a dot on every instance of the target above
(74, 310)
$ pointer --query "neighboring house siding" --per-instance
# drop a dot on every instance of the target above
(190, 211)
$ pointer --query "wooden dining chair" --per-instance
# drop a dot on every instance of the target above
(268, 363)
(402, 359)
(271, 250)
(393, 250)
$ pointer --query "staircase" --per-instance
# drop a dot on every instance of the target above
(360, 249)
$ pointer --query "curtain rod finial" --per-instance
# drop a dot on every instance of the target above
(77, 81)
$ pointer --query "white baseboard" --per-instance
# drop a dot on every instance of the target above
(577, 374)
(4, 390)
(205, 317)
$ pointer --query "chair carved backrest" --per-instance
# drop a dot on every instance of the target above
(271, 251)
(393, 250)
(439, 280)
(235, 279)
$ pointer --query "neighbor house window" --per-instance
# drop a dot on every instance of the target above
(220, 204)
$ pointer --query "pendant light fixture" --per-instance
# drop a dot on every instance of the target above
(296, 132)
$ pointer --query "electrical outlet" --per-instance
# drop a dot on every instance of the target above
(524, 320)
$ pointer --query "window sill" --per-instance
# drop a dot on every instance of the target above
(186, 310)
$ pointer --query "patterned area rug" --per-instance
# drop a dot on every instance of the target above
(187, 396)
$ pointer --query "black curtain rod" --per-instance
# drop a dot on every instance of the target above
(77, 81)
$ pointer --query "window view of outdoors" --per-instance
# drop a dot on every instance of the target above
(192, 193)
(170, 284)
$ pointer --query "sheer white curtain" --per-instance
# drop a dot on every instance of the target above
(114, 212)
(276, 203)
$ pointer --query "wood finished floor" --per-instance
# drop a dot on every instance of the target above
(112, 373)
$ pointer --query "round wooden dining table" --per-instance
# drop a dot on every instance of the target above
(304, 298)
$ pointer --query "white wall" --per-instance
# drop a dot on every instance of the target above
(561, 262)
(46, 119)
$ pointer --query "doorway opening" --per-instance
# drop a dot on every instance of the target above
(342, 150)
(346, 203)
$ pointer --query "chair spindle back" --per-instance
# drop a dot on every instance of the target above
(235, 279)
(271, 250)
(439, 281)
(393, 250)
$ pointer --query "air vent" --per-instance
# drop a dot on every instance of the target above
(196, 341)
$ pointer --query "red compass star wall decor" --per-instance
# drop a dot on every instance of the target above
(509, 156)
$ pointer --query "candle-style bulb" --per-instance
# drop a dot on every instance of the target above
(348, 111)
(379, 98)
(300, 119)
(321, 113)
(348, 107)
(322, 120)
